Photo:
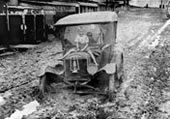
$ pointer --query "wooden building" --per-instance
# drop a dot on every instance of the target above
(21, 25)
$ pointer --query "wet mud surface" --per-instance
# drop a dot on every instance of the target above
(143, 95)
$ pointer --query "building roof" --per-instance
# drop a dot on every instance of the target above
(86, 18)
(20, 7)
(75, 4)
(88, 4)
(56, 3)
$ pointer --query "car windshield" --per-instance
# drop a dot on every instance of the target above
(95, 35)
(92, 33)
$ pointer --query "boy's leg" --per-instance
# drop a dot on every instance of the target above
(71, 50)
(93, 58)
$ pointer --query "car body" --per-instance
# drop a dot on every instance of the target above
(78, 68)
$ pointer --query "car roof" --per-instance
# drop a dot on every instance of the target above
(87, 18)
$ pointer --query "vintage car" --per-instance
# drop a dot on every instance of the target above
(77, 68)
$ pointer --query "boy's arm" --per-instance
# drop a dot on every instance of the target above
(77, 44)
(87, 44)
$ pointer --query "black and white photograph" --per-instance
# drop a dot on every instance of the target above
(84, 59)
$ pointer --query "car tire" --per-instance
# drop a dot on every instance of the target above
(42, 84)
(112, 86)
(115, 81)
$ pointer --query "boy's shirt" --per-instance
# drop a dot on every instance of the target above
(82, 40)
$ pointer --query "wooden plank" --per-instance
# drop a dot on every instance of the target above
(6, 54)
(23, 46)
(3, 48)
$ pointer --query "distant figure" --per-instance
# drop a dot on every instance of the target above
(91, 39)
(50, 32)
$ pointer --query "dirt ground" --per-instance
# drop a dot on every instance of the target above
(144, 94)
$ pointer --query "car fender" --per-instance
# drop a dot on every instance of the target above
(57, 69)
(109, 68)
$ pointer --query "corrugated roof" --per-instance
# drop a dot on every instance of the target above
(91, 17)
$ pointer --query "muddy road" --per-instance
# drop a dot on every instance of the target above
(141, 97)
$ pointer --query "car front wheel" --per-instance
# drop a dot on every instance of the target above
(112, 86)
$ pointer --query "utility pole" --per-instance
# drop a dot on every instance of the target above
(107, 2)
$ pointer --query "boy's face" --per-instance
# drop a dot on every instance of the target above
(81, 33)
